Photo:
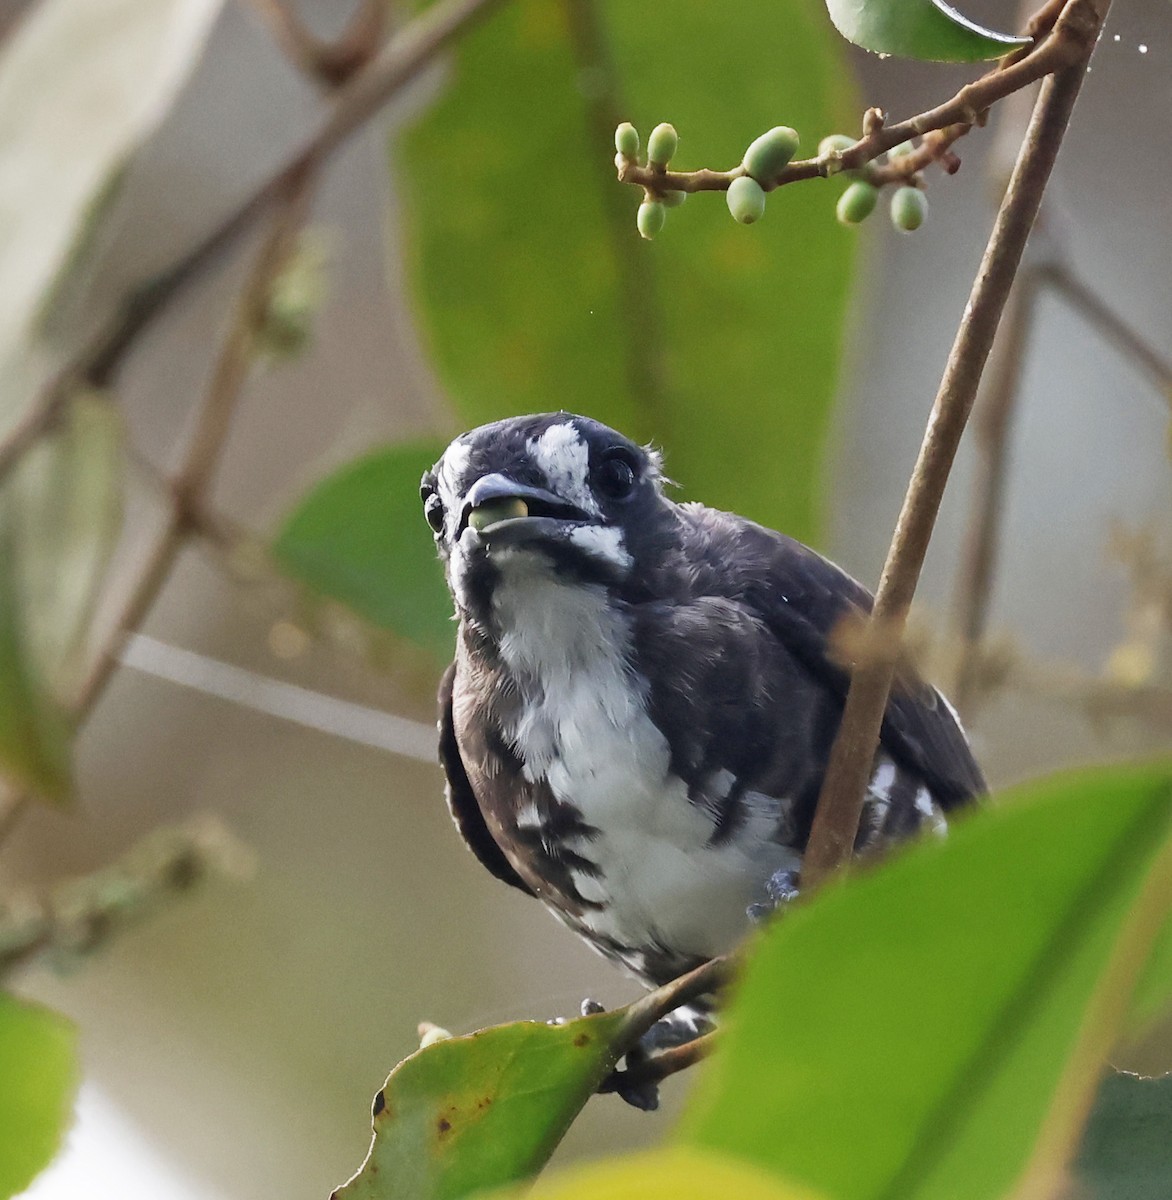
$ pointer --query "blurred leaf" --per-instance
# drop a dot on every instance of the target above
(482, 1110)
(60, 514)
(928, 1015)
(927, 29)
(81, 87)
(1126, 1151)
(1150, 1001)
(38, 1065)
(68, 509)
(675, 1174)
(535, 290)
(359, 537)
(34, 733)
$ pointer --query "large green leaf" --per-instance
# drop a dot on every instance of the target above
(927, 29)
(81, 87)
(534, 289)
(1126, 1152)
(678, 1173)
(38, 1070)
(482, 1110)
(359, 537)
(930, 1016)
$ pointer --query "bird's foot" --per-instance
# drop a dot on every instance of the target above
(781, 889)
(676, 1029)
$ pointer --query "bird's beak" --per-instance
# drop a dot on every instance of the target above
(495, 503)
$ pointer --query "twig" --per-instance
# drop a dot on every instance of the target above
(1070, 41)
(1110, 324)
(658, 1067)
(397, 64)
(836, 819)
(702, 980)
(196, 471)
(330, 63)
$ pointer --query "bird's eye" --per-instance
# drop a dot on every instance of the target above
(615, 476)
(433, 510)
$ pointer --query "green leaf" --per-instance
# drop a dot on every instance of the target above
(81, 88)
(675, 1174)
(1126, 1152)
(60, 514)
(928, 29)
(38, 1064)
(359, 537)
(535, 290)
(929, 1015)
(482, 1110)
(68, 503)
(34, 732)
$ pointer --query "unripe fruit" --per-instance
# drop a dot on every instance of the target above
(835, 142)
(909, 207)
(857, 202)
(904, 148)
(626, 140)
(746, 200)
(768, 154)
(661, 145)
(673, 199)
(650, 218)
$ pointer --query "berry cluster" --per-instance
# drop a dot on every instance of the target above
(909, 205)
(764, 160)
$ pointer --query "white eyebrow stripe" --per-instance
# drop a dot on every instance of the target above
(563, 455)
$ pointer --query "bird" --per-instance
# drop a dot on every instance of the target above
(644, 694)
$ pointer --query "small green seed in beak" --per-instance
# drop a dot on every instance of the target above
(493, 511)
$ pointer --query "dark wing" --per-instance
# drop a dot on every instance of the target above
(462, 803)
(800, 597)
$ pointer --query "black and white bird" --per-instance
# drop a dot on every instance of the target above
(644, 694)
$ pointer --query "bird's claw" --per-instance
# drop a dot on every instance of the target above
(781, 889)
(676, 1029)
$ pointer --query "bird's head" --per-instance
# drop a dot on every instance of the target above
(553, 493)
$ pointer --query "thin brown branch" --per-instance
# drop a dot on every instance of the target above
(329, 62)
(660, 1066)
(991, 428)
(836, 819)
(1097, 313)
(398, 63)
(1069, 41)
(195, 474)
(701, 981)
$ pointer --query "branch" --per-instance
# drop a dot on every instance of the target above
(836, 819)
(658, 1067)
(196, 471)
(1110, 324)
(1069, 42)
(397, 64)
(330, 63)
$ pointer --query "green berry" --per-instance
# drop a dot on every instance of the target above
(901, 151)
(857, 202)
(768, 154)
(835, 143)
(651, 217)
(909, 207)
(626, 140)
(673, 199)
(661, 145)
(746, 200)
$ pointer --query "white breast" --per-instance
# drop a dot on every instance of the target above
(584, 727)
